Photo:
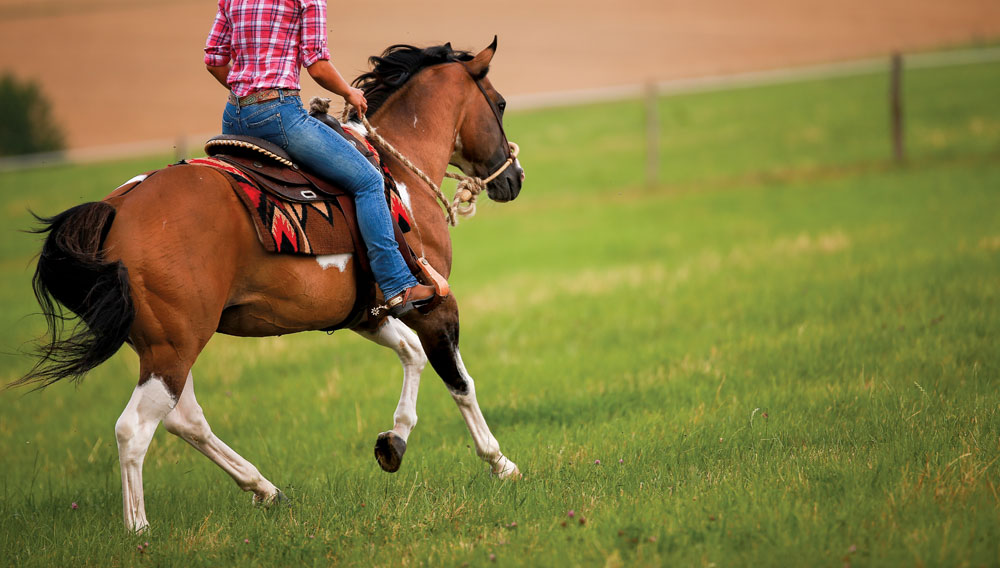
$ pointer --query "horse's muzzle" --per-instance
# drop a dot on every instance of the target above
(507, 185)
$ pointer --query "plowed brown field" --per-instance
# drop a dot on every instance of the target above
(122, 71)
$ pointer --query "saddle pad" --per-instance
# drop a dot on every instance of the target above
(315, 228)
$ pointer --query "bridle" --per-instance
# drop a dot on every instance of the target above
(469, 187)
(512, 149)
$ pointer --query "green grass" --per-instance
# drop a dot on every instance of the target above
(789, 343)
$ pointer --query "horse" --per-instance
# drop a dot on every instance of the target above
(169, 264)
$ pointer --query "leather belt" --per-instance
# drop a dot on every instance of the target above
(261, 96)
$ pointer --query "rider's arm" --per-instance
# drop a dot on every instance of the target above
(217, 48)
(220, 73)
(316, 56)
(327, 76)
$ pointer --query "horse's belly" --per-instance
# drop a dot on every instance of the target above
(282, 294)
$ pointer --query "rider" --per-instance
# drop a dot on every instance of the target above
(255, 49)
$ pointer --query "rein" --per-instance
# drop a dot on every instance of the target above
(469, 187)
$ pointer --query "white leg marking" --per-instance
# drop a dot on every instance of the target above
(396, 336)
(150, 402)
(188, 422)
(486, 444)
(338, 260)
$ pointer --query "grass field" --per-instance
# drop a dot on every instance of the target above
(785, 353)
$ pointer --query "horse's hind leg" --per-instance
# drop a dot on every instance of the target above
(390, 445)
(151, 401)
(188, 422)
(438, 332)
(163, 368)
(181, 276)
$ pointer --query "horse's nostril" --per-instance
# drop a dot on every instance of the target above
(522, 175)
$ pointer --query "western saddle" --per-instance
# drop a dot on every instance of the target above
(274, 172)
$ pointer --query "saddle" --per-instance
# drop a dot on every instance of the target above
(270, 165)
(274, 172)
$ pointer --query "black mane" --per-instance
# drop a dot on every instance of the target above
(397, 65)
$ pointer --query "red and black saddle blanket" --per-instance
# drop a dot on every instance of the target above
(316, 225)
(314, 228)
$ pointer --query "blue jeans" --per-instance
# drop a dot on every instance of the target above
(319, 149)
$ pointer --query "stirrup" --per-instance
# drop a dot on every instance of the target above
(401, 303)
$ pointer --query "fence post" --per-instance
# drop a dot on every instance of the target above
(896, 108)
(652, 135)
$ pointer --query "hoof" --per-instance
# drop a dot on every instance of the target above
(507, 470)
(389, 450)
(270, 500)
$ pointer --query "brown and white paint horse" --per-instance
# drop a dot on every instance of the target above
(169, 264)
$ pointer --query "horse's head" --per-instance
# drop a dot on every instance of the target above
(481, 146)
(458, 80)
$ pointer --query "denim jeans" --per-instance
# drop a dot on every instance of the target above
(319, 149)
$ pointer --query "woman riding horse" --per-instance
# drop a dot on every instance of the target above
(255, 49)
(171, 259)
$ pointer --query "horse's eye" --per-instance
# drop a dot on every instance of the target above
(502, 105)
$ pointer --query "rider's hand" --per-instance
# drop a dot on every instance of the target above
(356, 98)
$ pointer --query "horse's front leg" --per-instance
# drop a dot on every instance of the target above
(438, 332)
(391, 445)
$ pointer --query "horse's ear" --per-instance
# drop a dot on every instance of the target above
(480, 64)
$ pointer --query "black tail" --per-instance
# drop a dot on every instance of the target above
(72, 272)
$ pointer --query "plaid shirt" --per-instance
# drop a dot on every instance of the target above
(268, 41)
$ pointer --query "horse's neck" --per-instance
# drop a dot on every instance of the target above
(421, 122)
(422, 125)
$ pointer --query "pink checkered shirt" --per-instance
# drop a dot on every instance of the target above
(268, 42)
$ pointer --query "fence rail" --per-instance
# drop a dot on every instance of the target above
(751, 79)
